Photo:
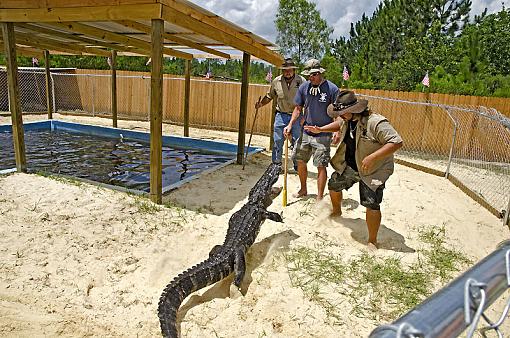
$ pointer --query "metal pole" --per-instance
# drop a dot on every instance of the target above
(448, 312)
(506, 217)
(53, 92)
(454, 137)
(93, 97)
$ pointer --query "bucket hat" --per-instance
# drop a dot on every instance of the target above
(288, 64)
(312, 66)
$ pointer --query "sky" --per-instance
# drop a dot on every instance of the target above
(258, 16)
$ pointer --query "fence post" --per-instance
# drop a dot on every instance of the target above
(506, 216)
(454, 137)
(93, 96)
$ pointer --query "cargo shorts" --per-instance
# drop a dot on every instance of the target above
(318, 145)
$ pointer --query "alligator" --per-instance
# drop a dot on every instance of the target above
(243, 228)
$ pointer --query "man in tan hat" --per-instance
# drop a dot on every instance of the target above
(283, 89)
(365, 155)
(313, 98)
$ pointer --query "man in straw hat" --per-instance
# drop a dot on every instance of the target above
(365, 155)
(283, 89)
(313, 97)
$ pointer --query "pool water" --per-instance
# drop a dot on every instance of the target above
(115, 161)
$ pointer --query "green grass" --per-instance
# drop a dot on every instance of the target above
(145, 206)
(62, 179)
(368, 286)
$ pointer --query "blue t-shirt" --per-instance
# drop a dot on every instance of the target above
(317, 105)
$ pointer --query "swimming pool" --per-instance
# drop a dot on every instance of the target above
(112, 156)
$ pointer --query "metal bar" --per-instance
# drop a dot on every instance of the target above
(506, 217)
(454, 137)
(442, 314)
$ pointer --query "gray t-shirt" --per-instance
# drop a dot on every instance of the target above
(317, 105)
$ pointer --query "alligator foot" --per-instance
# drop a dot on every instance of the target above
(235, 292)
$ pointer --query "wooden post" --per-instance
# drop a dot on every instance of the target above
(14, 101)
(48, 84)
(273, 116)
(187, 89)
(156, 111)
(114, 87)
(243, 107)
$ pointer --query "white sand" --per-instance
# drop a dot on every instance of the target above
(78, 260)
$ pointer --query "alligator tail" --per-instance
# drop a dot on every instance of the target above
(199, 276)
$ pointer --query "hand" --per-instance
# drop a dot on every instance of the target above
(336, 138)
(258, 104)
(367, 163)
(312, 129)
(287, 130)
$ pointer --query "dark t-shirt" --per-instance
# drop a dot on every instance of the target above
(350, 142)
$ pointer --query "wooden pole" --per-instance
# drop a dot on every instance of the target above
(156, 111)
(273, 116)
(48, 84)
(114, 87)
(14, 101)
(187, 89)
(243, 107)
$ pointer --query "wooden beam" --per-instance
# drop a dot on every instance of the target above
(80, 38)
(189, 18)
(105, 35)
(187, 90)
(156, 113)
(114, 87)
(44, 43)
(86, 13)
(67, 3)
(243, 109)
(48, 84)
(146, 29)
(25, 51)
(14, 97)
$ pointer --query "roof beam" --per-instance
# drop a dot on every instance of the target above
(49, 44)
(26, 51)
(80, 38)
(194, 21)
(113, 37)
(146, 29)
(85, 13)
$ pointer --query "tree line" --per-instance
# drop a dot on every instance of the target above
(391, 49)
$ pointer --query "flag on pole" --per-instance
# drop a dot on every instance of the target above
(269, 76)
(109, 61)
(426, 80)
(148, 61)
(35, 62)
(345, 74)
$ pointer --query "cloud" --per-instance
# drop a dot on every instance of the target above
(258, 16)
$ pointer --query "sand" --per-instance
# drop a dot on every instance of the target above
(79, 260)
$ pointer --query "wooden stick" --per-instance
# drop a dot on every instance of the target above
(284, 193)
(251, 134)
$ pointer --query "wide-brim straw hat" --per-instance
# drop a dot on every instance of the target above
(288, 64)
(347, 102)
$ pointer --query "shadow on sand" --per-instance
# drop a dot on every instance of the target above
(257, 254)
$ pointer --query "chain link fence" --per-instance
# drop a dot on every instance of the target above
(469, 145)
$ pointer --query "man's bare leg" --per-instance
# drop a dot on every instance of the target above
(336, 202)
(373, 218)
(303, 175)
(322, 177)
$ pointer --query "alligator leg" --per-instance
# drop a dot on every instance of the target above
(273, 216)
(214, 250)
(239, 267)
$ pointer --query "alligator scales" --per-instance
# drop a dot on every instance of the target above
(243, 228)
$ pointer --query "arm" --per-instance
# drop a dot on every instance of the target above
(296, 113)
(386, 150)
(332, 127)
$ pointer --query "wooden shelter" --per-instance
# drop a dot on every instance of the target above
(109, 28)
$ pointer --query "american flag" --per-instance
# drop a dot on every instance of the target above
(426, 81)
(35, 62)
(109, 61)
(345, 74)
(269, 76)
(208, 75)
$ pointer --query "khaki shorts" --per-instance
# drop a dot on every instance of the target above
(318, 145)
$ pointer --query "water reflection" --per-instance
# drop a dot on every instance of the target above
(121, 162)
